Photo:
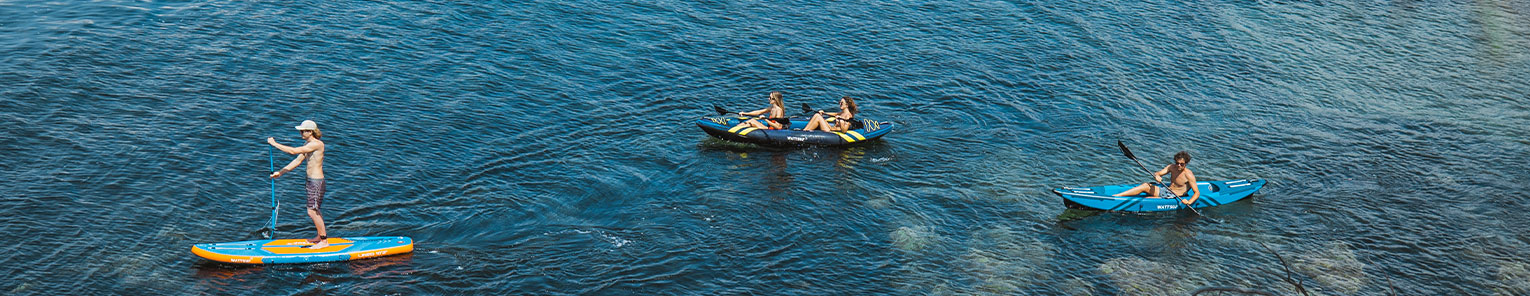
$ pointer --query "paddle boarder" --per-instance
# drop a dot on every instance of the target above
(313, 152)
(1181, 180)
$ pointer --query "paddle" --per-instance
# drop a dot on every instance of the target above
(270, 228)
(806, 110)
(1164, 189)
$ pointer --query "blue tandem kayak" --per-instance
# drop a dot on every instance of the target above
(726, 128)
(1213, 193)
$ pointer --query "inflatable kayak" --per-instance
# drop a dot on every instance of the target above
(297, 251)
(1213, 193)
(727, 128)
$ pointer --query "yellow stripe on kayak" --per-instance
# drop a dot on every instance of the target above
(858, 136)
(847, 138)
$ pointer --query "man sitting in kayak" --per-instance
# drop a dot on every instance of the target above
(842, 121)
(776, 118)
(1181, 178)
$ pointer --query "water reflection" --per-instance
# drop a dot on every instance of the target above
(231, 278)
(778, 181)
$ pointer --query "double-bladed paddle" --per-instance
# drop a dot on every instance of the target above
(1164, 189)
(806, 110)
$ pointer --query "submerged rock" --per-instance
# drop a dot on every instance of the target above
(1335, 266)
(1515, 278)
(1004, 262)
(1137, 276)
(997, 272)
(913, 238)
(882, 201)
(1076, 287)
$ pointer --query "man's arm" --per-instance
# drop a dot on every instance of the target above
(290, 166)
(310, 147)
(1158, 176)
(1190, 177)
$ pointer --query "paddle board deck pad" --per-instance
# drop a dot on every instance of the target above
(728, 128)
(296, 250)
(1213, 193)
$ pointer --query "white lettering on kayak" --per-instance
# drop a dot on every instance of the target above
(798, 139)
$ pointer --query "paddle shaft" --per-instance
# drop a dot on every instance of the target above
(806, 110)
(1160, 184)
(271, 157)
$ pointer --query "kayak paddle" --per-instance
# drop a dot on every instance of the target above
(1164, 189)
(720, 110)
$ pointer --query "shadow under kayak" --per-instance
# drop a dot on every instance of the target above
(1213, 193)
(726, 128)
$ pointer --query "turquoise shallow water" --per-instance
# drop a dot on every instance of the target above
(547, 147)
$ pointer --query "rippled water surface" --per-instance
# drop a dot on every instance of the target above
(548, 147)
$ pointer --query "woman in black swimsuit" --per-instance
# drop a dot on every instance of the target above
(841, 121)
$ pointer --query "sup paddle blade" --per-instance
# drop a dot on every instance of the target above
(1125, 150)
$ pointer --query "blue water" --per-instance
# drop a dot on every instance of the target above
(548, 147)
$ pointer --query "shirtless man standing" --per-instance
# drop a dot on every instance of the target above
(313, 151)
(1181, 180)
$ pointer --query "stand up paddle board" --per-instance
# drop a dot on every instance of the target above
(297, 251)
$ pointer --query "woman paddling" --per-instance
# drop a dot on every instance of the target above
(777, 114)
(841, 121)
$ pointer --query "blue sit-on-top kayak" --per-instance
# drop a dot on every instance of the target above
(728, 128)
(1213, 193)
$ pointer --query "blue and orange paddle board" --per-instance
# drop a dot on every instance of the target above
(297, 251)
